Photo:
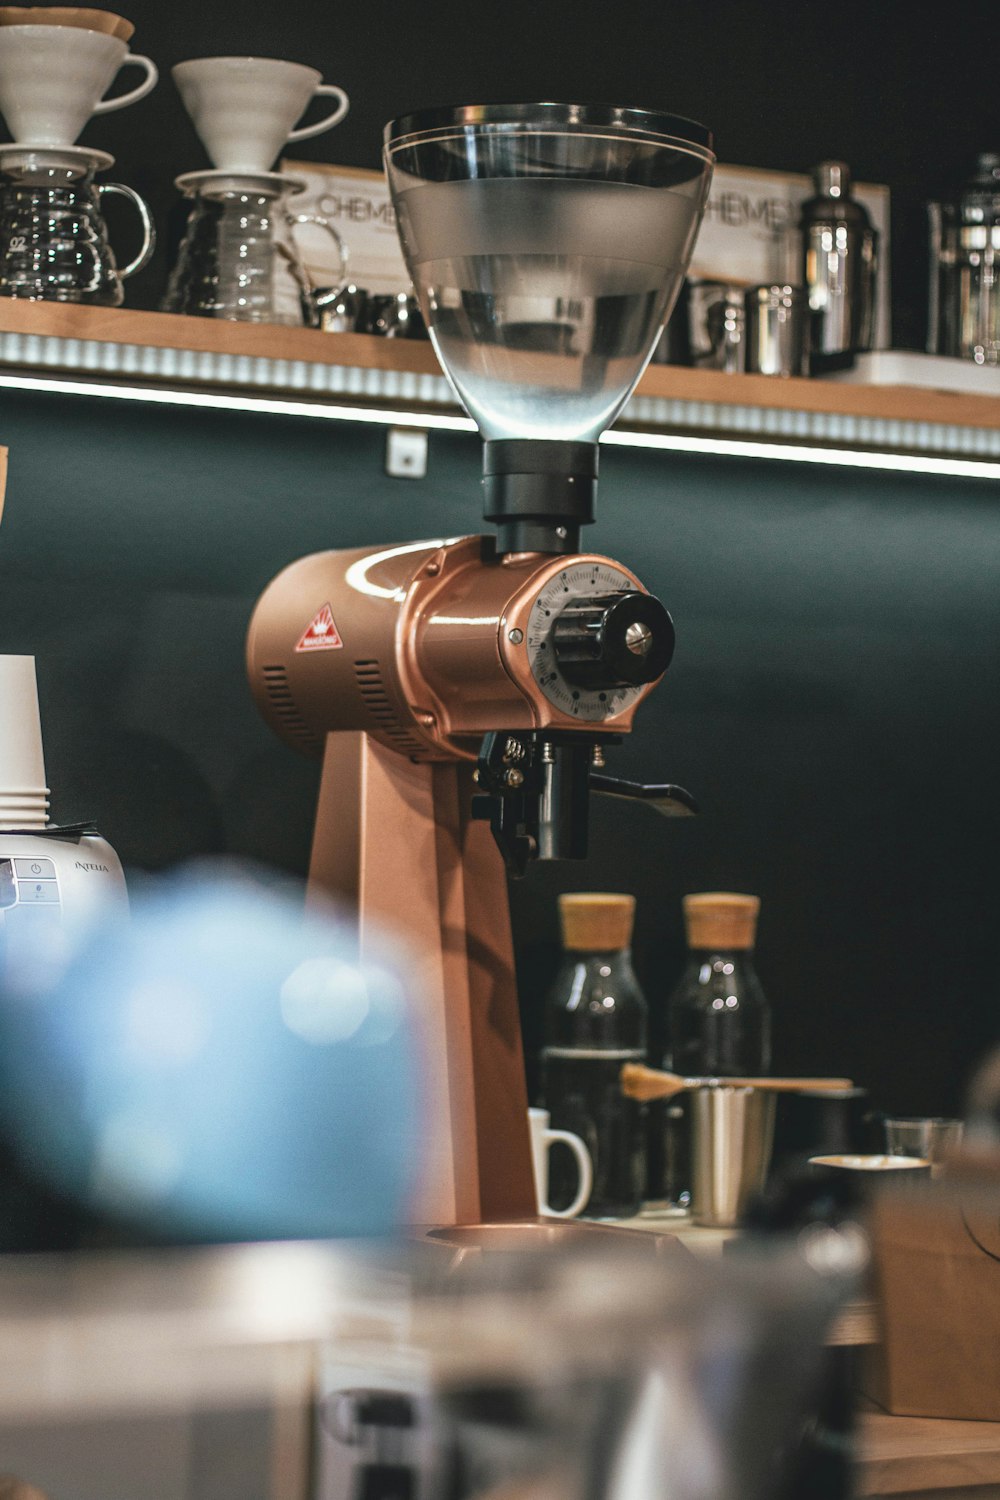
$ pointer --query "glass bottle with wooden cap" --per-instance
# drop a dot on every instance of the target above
(596, 1021)
(719, 1020)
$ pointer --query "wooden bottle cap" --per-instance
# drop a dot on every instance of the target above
(596, 921)
(721, 919)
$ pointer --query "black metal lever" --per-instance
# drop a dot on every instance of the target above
(534, 790)
(672, 801)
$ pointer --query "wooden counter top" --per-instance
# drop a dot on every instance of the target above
(929, 1458)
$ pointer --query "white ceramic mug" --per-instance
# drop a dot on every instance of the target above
(53, 78)
(245, 108)
(542, 1138)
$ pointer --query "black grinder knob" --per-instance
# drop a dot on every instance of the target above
(613, 640)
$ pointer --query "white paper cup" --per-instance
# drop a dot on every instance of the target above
(22, 764)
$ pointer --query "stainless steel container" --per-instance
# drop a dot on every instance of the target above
(964, 312)
(777, 330)
(839, 259)
(732, 1132)
(716, 325)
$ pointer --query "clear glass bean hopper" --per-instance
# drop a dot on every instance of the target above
(547, 244)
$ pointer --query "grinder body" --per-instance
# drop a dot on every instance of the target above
(429, 646)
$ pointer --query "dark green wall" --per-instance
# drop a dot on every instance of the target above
(833, 701)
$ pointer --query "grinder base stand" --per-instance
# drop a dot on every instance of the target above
(394, 839)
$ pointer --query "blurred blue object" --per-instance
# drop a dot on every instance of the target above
(218, 1066)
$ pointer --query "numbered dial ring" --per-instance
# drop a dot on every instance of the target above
(573, 632)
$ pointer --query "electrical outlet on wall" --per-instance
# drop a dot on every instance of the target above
(406, 453)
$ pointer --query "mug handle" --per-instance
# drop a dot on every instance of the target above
(305, 131)
(148, 83)
(583, 1161)
(148, 228)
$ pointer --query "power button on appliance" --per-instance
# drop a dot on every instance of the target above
(34, 869)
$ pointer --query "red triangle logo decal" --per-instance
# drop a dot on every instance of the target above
(322, 634)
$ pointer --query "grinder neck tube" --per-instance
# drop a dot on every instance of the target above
(539, 493)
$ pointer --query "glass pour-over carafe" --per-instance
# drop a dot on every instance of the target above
(238, 259)
(53, 239)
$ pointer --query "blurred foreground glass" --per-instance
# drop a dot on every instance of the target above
(219, 1066)
(445, 1372)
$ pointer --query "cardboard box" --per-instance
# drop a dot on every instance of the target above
(936, 1263)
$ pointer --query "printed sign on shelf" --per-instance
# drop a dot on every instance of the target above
(747, 235)
(356, 203)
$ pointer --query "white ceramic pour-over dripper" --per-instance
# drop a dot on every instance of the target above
(244, 108)
(53, 78)
(24, 797)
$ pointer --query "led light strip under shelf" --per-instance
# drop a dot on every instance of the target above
(427, 401)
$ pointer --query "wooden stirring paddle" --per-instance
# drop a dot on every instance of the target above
(650, 1083)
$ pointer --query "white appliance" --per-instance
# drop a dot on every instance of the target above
(51, 878)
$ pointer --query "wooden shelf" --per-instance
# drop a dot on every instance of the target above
(154, 330)
(896, 403)
(162, 349)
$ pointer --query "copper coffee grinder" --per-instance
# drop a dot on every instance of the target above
(462, 693)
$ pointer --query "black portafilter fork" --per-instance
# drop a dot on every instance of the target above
(534, 790)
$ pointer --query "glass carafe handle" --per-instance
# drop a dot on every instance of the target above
(145, 218)
(342, 250)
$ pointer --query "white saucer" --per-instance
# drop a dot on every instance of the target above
(20, 153)
(219, 181)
